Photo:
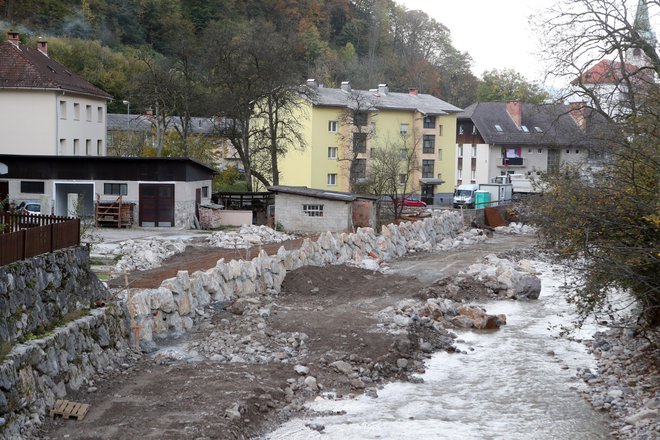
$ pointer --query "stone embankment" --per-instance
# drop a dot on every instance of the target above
(626, 385)
(174, 307)
(47, 349)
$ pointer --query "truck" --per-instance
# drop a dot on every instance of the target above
(465, 195)
(520, 183)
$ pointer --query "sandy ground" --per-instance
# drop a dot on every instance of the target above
(325, 319)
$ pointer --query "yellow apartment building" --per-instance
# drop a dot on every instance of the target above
(343, 128)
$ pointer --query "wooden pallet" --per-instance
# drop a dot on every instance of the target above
(68, 409)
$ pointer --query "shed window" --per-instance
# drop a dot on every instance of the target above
(313, 210)
(32, 187)
(205, 191)
(115, 189)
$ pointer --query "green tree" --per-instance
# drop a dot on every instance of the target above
(506, 85)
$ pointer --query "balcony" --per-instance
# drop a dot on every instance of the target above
(512, 162)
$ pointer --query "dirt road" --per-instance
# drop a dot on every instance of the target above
(253, 364)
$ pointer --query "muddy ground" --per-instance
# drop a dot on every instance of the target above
(212, 383)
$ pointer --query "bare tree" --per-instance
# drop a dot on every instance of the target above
(355, 132)
(606, 224)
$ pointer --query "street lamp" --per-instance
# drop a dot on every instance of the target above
(128, 113)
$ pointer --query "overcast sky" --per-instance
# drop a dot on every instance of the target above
(496, 33)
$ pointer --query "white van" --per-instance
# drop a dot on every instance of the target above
(464, 195)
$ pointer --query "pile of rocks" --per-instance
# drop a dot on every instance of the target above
(516, 228)
(627, 383)
(247, 236)
(467, 238)
(438, 313)
(506, 278)
(145, 254)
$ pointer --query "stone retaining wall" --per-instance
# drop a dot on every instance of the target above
(35, 374)
(39, 291)
(174, 307)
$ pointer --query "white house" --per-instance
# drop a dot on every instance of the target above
(498, 138)
(45, 109)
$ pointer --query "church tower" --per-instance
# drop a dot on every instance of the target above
(641, 26)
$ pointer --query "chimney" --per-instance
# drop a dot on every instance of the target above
(346, 86)
(312, 83)
(412, 91)
(13, 38)
(383, 89)
(578, 111)
(514, 109)
(42, 46)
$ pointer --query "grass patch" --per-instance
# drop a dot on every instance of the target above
(5, 349)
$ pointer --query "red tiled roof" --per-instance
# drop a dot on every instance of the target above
(606, 72)
(23, 67)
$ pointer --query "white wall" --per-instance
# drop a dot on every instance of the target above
(336, 217)
(27, 122)
(82, 126)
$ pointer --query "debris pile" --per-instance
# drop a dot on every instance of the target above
(247, 236)
(145, 254)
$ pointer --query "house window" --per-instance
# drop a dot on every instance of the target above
(332, 126)
(88, 113)
(461, 129)
(538, 129)
(62, 109)
(577, 151)
(498, 127)
(460, 150)
(332, 179)
(568, 151)
(99, 147)
(474, 150)
(403, 179)
(403, 129)
(540, 150)
(360, 168)
(313, 210)
(205, 191)
(88, 147)
(473, 175)
(439, 130)
(115, 189)
(403, 154)
(459, 173)
(62, 147)
(429, 121)
(359, 142)
(76, 146)
(332, 152)
(360, 118)
(76, 111)
(529, 150)
(524, 128)
(99, 114)
(427, 168)
(428, 144)
(474, 129)
(32, 187)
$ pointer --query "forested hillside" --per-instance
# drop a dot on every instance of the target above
(127, 46)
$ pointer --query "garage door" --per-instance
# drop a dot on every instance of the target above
(156, 204)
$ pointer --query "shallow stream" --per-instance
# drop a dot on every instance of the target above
(516, 383)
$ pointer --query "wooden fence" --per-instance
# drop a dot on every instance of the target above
(24, 235)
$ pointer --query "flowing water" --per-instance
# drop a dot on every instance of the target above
(515, 383)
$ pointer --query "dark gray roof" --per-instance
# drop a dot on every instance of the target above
(121, 122)
(426, 104)
(319, 193)
(22, 67)
(557, 126)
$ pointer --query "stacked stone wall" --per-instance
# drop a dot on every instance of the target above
(37, 292)
(174, 307)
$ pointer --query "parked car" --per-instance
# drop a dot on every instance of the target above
(413, 201)
(29, 207)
